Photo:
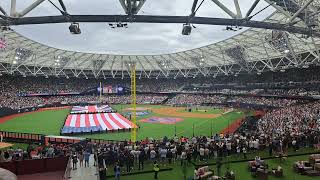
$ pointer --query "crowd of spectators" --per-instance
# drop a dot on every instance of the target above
(294, 120)
(16, 102)
(266, 92)
(198, 99)
(34, 152)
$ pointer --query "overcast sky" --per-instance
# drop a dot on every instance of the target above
(138, 38)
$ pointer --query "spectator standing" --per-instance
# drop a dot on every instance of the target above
(86, 158)
(74, 161)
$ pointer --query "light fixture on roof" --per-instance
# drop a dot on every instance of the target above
(74, 28)
(186, 29)
(286, 51)
(118, 25)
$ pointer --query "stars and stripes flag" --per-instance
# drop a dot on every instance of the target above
(107, 121)
(90, 109)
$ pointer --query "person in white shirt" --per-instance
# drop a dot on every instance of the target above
(153, 155)
(163, 154)
(201, 152)
(174, 154)
(196, 174)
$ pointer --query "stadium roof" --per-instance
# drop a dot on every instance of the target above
(254, 50)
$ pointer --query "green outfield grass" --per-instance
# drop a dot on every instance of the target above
(46, 122)
(49, 122)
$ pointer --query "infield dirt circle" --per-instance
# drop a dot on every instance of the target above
(175, 111)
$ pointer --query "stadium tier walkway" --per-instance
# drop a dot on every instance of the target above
(85, 173)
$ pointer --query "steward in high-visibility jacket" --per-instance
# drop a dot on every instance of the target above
(156, 169)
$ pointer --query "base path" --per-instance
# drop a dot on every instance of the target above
(5, 145)
(173, 111)
(232, 127)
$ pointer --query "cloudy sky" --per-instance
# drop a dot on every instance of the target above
(138, 38)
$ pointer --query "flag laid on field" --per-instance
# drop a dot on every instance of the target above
(96, 122)
(90, 109)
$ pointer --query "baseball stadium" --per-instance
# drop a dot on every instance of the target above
(168, 90)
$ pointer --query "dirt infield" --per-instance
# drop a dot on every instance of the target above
(5, 145)
(173, 111)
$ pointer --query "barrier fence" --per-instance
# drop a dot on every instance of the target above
(30, 137)
(22, 137)
(33, 166)
(67, 172)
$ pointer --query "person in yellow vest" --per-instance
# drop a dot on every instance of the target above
(156, 169)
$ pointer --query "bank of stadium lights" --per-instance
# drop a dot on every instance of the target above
(61, 61)
(279, 41)
(21, 55)
(238, 54)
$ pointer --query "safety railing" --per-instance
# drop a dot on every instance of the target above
(67, 172)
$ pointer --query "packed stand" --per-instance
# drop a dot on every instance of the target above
(293, 120)
(34, 152)
(196, 99)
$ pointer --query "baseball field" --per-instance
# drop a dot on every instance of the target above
(155, 121)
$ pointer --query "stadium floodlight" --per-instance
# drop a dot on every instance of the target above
(60, 61)
(74, 28)
(21, 55)
(239, 55)
(186, 30)
(279, 41)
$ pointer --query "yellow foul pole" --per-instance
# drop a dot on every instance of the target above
(100, 97)
(133, 103)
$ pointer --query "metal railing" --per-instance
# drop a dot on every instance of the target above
(67, 172)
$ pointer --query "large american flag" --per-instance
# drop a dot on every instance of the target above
(90, 109)
(107, 121)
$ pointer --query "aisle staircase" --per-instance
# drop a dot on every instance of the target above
(85, 173)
